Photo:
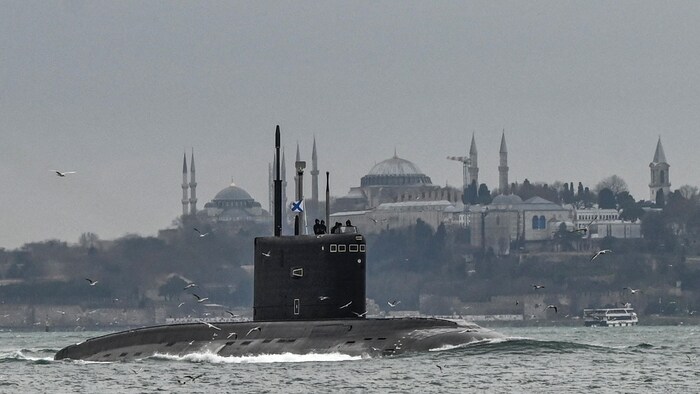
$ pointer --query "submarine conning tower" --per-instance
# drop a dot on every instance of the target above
(308, 277)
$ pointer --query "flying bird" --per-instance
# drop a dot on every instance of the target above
(210, 325)
(346, 305)
(230, 334)
(201, 234)
(584, 229)
(189, 286)
(537, 287)
(551, 307)
(92, 282)
(193, 378)
(323, 298)
(266, 254)
(600, 252)
(231, 313)
(360, 314)
(439, 367)
(632, 291)
(200, 299)
(181, 304)
(62, 173)
(257, 328)
(393, 303)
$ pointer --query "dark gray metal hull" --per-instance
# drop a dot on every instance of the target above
(374, 337)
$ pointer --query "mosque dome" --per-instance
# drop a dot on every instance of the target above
(395, 172)
(233, 193)
(506, 200)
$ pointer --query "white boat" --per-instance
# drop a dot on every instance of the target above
(610, 317)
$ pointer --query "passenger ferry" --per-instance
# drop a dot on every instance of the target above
(610, 317)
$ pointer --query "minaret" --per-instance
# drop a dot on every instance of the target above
(185, 200)
(473, 163)
(314, 177)
(193, 187)
(296, 181)
(503, 166)
(660, 178)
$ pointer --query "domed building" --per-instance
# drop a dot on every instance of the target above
(394, 180)
(395, 193)
(235, 204)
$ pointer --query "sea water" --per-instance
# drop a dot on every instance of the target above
(663, 359)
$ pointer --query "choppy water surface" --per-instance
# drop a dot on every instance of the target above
(551, 359)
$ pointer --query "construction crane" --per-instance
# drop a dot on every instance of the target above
(466, 161)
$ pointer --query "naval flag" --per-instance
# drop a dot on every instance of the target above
(297, 206)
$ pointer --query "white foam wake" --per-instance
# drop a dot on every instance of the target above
(473, 343)
(208, 357)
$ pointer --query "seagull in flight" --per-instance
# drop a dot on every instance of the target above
(323, 298)
(393, 303)
(346, 305)
(62, 174)
(210, 325)
(600, 252)
(360, 314)
(181, 304)
(632, 291)
(537, 287)
(551, 307)
(193, 378)
(584, 229)
(189, 286)
(230, 334)
(201, 234)
(256, 328)
(439, 367)
(231, 313)
(200, 299)
(266, 254)
(92, 282)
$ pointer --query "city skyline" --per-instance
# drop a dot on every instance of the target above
(117, 92)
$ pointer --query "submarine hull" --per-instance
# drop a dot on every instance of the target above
(354, 337)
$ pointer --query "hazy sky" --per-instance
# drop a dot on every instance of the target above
(117, 90)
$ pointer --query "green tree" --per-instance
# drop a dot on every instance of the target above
(606, 199)
(484, 195)
(172, 288)
(471, 195)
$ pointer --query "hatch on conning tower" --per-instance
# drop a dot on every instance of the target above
(309, 277)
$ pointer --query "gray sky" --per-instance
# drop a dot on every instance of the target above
(117, 90)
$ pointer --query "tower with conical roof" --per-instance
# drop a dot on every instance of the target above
(503, 166)
(473, 163)
(193, 187)
(185, 186)
(660, 179)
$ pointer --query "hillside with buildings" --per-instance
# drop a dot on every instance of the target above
(467, 251)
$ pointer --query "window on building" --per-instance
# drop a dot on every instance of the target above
(543, 223)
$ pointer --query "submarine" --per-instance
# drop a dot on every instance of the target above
(308, 298)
